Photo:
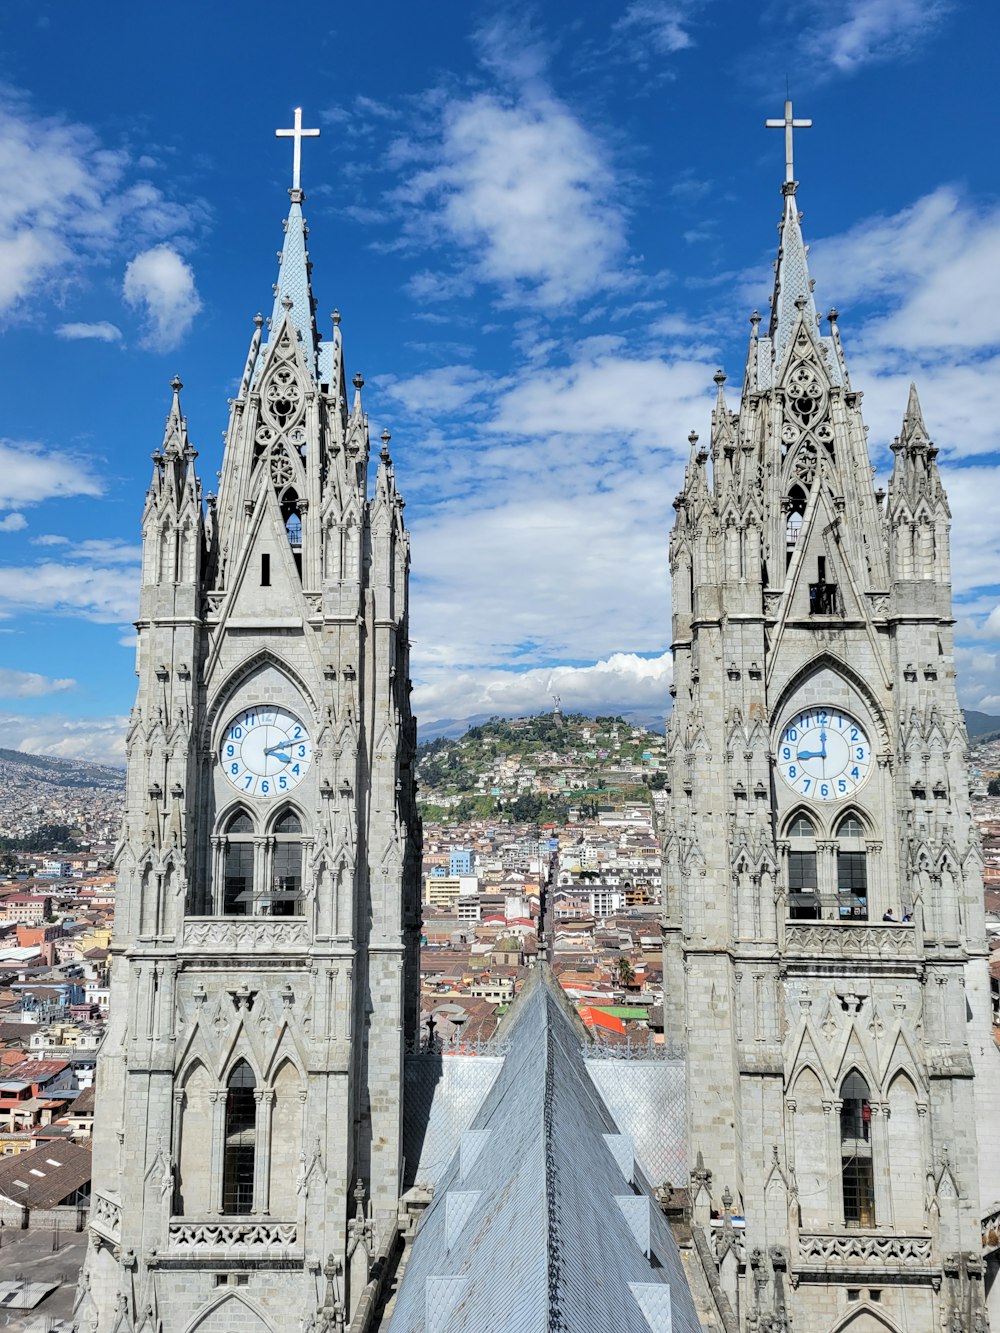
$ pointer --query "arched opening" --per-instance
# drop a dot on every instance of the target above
(193, 1185)
(803, 891)
(286, 1140)
(795, 508)
(852, 870)
(237, 859)
(811, 1160)
(857, 1172)
(286, 866)
(291, 513)
(240, 1141)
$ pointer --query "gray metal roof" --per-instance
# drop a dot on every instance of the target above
(542, 1219)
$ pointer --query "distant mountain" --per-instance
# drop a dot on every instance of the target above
(455, 727)
(51, 770)
(980, 725)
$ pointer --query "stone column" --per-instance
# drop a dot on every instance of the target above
(264, 1097)
(217, 1101)
(837, 1175)
(882, 1181)
(826, 880)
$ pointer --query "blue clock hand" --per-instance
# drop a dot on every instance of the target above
(811, 754)
(274, 749)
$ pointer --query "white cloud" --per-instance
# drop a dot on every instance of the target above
(161, 285)
(30, 473)
(445, 389)
(527, 192)
(99, 739)
(101, 331)
(663, 24)
(30, 685)
(72, 207)
(874, 30)
(103, 594)
(13, 523)
(621, 682)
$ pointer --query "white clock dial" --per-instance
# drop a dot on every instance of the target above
(265, 751)
(824, 754)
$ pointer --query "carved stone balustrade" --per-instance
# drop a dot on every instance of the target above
(106, 1217)
(246, 934)
(850, 940)
(239, 1239)
(854, 1250)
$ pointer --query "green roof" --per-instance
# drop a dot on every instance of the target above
(622, 1010)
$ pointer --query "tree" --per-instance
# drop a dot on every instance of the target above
(993, 787)
(625, 972)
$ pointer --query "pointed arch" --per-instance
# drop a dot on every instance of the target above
(906, 1162)
(194, 1186)
(239, 1166)
(826, 661)
(865, 1319)
(857, 1167)
(286, 1137)
(219, 1316)
(238, 677)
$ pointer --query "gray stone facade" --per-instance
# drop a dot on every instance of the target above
(247, 1150)
(818, 782)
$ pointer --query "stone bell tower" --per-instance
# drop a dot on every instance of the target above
(247, 1145)
(822, 874)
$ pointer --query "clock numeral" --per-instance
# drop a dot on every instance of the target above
(265, 787)
(793, 772)
(248, 782)
(282, 782)
(230, 751)
(296, 733)
(786, 752)
(855, 773)
(234, 768)
(824, 789)
(791, 734)
(806, 783)
(841, 785)
(250, 720)
(237, 733)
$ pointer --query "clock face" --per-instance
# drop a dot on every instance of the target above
(824, 754)
(265, 751)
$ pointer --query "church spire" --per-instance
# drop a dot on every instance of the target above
(294, 268)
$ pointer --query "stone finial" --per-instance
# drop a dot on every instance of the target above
(358, 381)
(336, 319)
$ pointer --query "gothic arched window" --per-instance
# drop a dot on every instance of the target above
(857, 1173)
(852, 870)
(803, 888)
(240, 1141)
(238, 859)
(795, 507)
(286, 865)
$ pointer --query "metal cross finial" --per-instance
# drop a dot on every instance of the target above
(297, 134)
(788, 124)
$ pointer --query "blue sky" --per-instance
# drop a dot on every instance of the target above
(544, 234)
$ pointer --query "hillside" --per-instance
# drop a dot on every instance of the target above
(47, 802)
(537, 768)
(980, 725)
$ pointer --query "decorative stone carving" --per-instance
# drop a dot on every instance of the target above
(252, 1236)
(865, 1248)
(247, 934)
(849, 940)
(106, 1216)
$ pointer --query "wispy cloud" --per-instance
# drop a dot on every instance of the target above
(30, 685)
(30, 473)
(161, 285)
(13, 523)
(101, 331)
(664, 25)
(99, 739)
(867, 31)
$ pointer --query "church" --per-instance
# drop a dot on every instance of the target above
(812, 1148)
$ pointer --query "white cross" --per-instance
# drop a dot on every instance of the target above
(788, 124)
(297, 133)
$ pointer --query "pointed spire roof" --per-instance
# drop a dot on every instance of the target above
(293, 283)
(792, 284)
(914, 431)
